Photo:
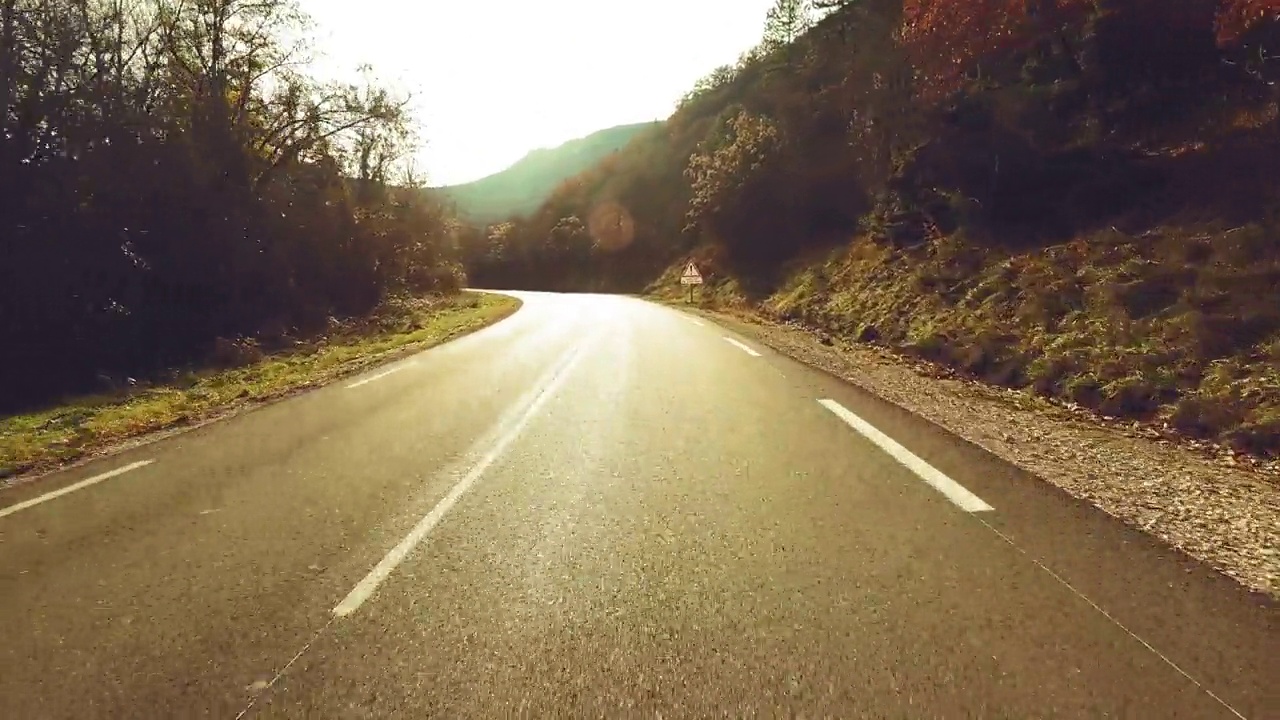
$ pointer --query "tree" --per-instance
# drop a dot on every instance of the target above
(946, 39)
(726, 170)
(1237, 18)
(785, 22)
(716, 79)
(169, 175)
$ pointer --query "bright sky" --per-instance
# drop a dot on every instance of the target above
(494, 79)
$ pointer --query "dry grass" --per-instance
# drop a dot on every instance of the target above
(1129, 327)
(1177, 327)
(44, 439)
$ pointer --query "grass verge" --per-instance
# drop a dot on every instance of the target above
(45, 439)
(1176, 329)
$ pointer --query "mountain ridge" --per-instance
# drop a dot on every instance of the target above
(524, 186)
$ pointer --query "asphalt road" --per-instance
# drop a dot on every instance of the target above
(600, 508)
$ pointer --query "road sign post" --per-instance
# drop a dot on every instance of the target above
(690, 277)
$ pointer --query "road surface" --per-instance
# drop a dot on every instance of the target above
(600, 508)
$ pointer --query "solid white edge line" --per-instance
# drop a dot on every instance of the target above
(742, 346)
(954, 491)
(72, 488)
(1164, 658)
(379, 376)
(367, 586)
(967, 500)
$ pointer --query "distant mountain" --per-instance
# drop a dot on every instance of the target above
(523, 187)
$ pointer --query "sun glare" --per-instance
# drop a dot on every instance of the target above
(493, 81)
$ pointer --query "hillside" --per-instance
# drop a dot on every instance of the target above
(1077, 203)
(523, 187)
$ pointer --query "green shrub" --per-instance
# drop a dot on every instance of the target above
(1046, 373)
(929, 344)
(1133, 396)
(1084, 390)
(1260, 433)
(1206, 417)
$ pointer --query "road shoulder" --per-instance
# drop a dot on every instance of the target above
(1225, 516)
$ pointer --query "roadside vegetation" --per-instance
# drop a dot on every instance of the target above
(1076, 198)
(172, 179)
(241, 374)
(192, 221)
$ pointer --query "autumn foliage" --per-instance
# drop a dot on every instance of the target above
(1008, 118)
(949, 40)
(1237, 17)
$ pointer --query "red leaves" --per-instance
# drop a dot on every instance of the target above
(946, 39)
(1237, 17)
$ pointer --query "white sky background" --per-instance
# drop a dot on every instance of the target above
(494, 79)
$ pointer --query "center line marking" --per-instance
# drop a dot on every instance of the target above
(549, 384)
(954, 491)
(74, 487)
(379, 376)
(742, 346)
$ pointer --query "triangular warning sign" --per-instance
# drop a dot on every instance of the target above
(691, 276)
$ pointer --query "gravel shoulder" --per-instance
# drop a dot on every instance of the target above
(1217, 507)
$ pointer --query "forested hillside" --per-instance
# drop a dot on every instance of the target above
(1077, 197)
(171, 176)
(523, 187)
